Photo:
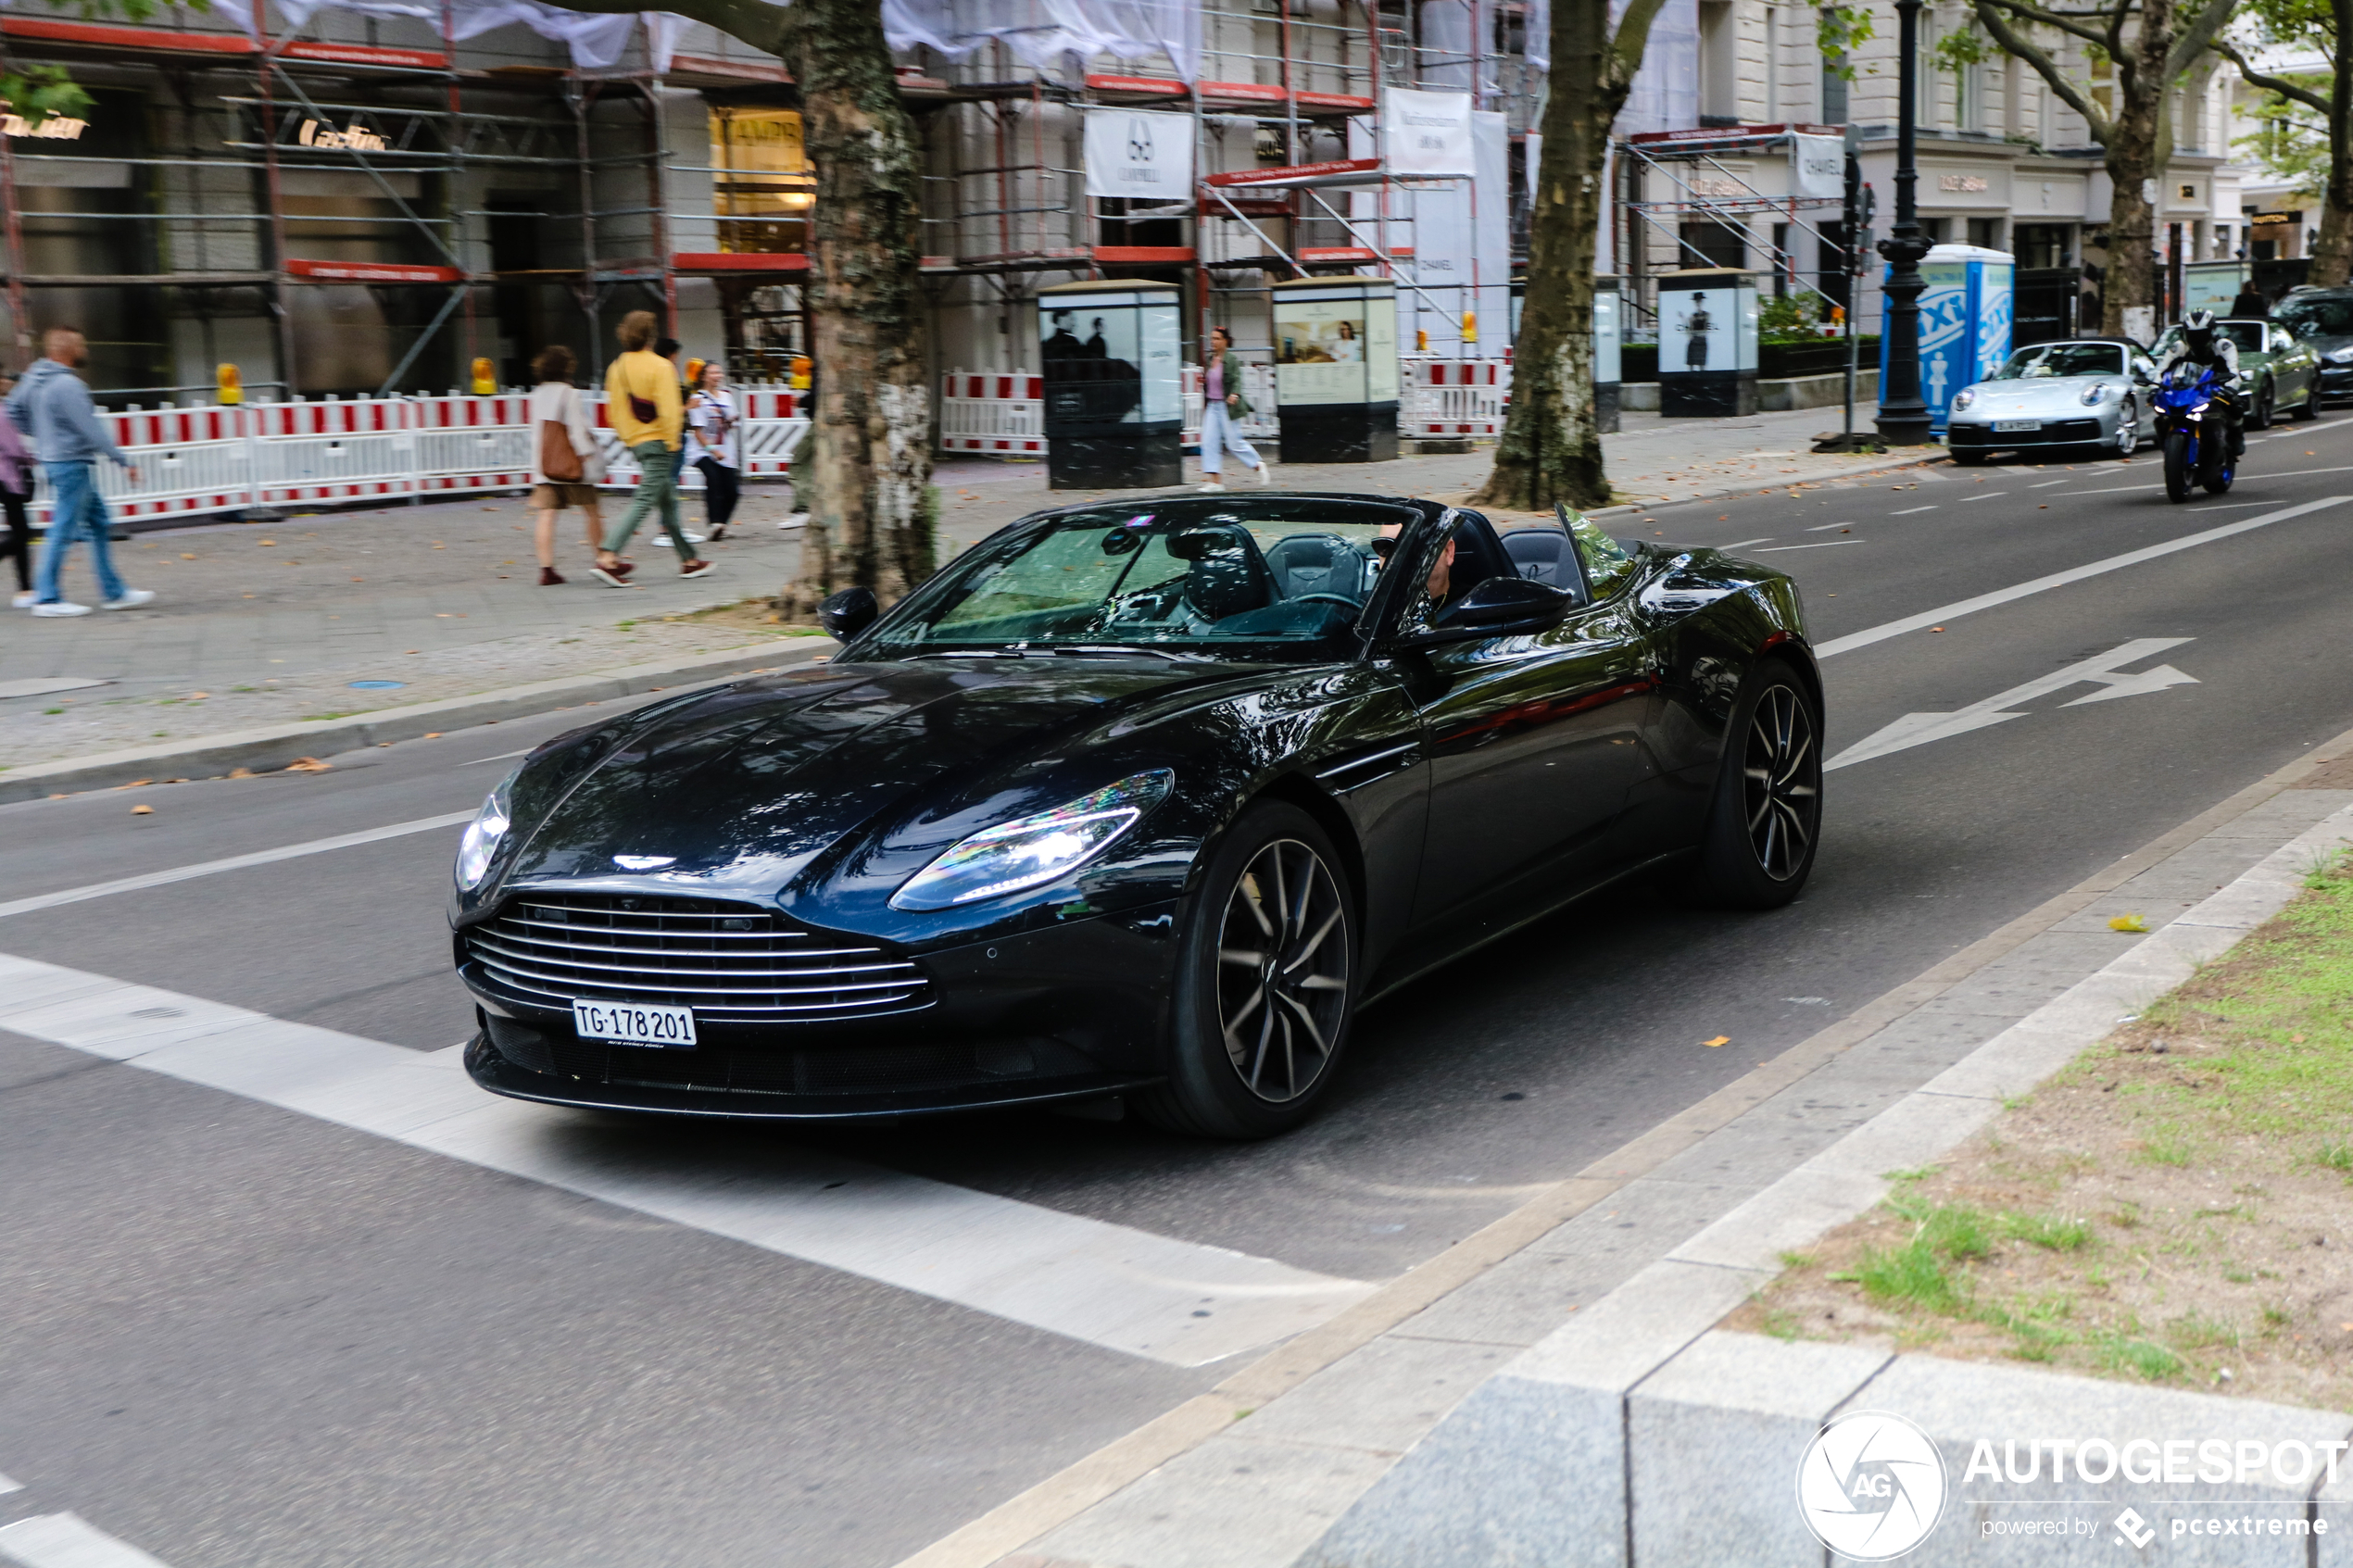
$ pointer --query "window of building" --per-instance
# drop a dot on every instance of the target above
(1985, 232)
(1719, 63)
(1834, 85)
(2043, 244)
(766, 182)
(1708, 242)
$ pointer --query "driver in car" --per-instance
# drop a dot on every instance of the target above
(2200, 345)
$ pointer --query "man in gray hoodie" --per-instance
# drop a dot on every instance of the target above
(53, 406)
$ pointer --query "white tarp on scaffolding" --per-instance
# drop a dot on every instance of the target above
(1139, 157)
(1463, 253)
(1666, 91)
(596, 41)
(1818, 166)
(1040, 32)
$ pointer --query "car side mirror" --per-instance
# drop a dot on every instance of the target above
(1501, 606)
(849, 613)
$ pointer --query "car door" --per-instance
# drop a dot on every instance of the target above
(1533, 742)
(2294, 367)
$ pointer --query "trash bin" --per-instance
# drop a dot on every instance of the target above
(1335, 370)
(1706, 343)
(1112, 360)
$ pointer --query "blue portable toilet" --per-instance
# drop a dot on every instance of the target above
(1965, 323)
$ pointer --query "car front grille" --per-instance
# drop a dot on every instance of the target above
(896, 1066)
(732, 963)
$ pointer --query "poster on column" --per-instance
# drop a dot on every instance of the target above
(1139, 157)
(1702, 332)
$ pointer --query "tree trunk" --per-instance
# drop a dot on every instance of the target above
(868, 454)
(2333, 253)
(1550, 450)
(2133, 169)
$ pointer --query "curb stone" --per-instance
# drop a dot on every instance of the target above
(263, 749)
(1567, 1409)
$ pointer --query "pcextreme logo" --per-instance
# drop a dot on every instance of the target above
(1872, 1485)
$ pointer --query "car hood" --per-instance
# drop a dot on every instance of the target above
(742, 788)
(2000, 399)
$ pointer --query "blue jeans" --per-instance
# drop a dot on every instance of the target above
(1220, 434)
(80, 512)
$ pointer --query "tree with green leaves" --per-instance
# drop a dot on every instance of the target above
(1550, 450)
(2148, 45)
(2321, 157)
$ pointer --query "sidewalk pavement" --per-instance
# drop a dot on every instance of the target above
(266, 625)
(1510, 1401)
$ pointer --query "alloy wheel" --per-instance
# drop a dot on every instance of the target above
(2128, 429)
(1282, 971)
(1783, 773)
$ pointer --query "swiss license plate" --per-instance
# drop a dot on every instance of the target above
(633, 1024)
(2018, 424)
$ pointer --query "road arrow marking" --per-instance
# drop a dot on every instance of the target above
(1919, 729)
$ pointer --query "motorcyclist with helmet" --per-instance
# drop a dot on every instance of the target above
(2200, 345)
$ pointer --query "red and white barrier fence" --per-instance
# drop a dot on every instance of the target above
(194, 461)
(1454, 398)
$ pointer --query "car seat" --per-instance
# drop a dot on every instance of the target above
(1316, 563)
(1542, 556)
(1227, 575)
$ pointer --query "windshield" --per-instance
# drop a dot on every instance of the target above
(2249, 335)
(1204, 575)
(2317, 318)
(2063, 359)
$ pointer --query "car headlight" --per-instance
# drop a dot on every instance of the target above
(483, 836)
(1963, 398)
(2339, 356)
(2096, 394)
(1034, 850)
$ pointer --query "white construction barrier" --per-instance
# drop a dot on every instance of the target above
(1003, 412)
(1442, 398)
(194, 461)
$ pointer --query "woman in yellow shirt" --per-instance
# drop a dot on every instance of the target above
(643, 401)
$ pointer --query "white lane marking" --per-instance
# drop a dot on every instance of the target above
(500, 758)
(1864, 638)
(1907, 511)
(1987, 497)
(67, 1540)
(1919, 729)
(1108, 1285)
(8, 1485)
(2118, 490)
(1826, 527)
(2048, 482)
(2220, 506)
(1743, 543)
(1821, 545)
(2266, 473)
(231, 863)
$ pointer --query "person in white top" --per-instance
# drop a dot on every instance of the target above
(716, 445)
(555, 401)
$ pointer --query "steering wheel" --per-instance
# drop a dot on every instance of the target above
(1326, 599)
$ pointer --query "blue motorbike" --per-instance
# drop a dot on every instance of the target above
(2193, 431)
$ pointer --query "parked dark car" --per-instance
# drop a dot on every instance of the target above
(1145, 798)
(2323, 318)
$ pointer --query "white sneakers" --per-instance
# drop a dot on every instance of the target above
(795, 519)
(25, 600)
(131, 599)
(1213, 484)
(1263, 471)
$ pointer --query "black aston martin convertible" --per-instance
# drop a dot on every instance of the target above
(1143, 798)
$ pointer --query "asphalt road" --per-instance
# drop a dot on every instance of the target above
(243, 1337)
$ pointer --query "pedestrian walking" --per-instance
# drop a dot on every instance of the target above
(644, 407)
(1222, 406)
(2251, 305)
(566, 466)
(16, 490)
(52, 405)
(715, 430)
(798, 469)
(668, 349)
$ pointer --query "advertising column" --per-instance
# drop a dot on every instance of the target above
(1335, 370)
(1706, 343)
(1114, 385)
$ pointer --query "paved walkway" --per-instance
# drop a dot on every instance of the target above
(259, 623)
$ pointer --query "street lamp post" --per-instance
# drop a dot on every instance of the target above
(1903, 414)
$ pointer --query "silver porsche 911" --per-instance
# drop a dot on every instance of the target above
(2077, 394)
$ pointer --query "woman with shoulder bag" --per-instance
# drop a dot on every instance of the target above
(1222, 406)
(565, 463)
(16, 490)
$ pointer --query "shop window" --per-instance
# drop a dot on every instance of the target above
(765, 184)
(1708, 243)
(1985, 232)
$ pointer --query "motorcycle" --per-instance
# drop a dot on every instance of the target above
(2192, 433)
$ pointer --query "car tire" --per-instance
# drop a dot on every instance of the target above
(1969, 460)
(1765, 823)
(2128, 429)
(1254, 1046)
(2259, 417)
(2310, 407)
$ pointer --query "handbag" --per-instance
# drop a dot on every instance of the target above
(557, 459)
